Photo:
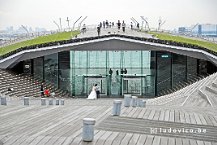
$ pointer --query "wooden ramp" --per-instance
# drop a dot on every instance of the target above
(62, 125)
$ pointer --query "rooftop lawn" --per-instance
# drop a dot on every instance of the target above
(39, 40)
(166, 36)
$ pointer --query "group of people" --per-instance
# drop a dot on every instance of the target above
(107, 24)
(123, 71)
(95, 93)
(46, 92)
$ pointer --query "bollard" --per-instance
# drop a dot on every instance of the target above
(50, 101)
(142, 103)
(88, 129)
(127, 100)
(26, 101)
(57, 102)
(43, 101)
(116, 108)
(62, 101)
(3, 101)
(134, 101)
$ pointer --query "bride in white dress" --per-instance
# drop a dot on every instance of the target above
(92, 93)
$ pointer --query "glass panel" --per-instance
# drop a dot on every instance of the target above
(179, 69)
(38, 68)
(191, 68)
(51, 69)
(163, 71)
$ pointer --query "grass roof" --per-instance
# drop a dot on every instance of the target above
(165, 36)
(42, 39)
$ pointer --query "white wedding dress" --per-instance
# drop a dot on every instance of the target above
(92, 94)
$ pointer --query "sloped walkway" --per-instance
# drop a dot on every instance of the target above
(114, 30)
(37, 125)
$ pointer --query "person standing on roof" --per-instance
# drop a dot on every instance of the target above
(119, 24)
(123, 26)
(98, 30)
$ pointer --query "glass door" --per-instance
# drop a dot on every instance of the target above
(132, 85)
(89, 81)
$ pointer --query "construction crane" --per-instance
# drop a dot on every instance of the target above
(146, 23)
(25, 28)
(160, 23)
(134, 21)
(79, 25)
(192, 28)
(76, 22)
(57, 25)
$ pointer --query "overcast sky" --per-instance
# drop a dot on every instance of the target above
(41, 13)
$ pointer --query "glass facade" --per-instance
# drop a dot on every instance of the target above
(116, 72)
(141, 73)
(51, 69)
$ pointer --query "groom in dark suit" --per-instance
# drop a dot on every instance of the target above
(97, 91)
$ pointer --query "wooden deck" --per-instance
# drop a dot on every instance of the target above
(38, 125)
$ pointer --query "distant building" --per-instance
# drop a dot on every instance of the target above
(182, 29)
(205, 30)
(200, 29)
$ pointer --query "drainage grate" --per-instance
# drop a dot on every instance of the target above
(159, 128)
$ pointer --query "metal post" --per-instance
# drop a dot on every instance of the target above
(26, 101)
(57, 102)
(134, 101)
(3, 101)
(116, 108)
(127, 100)
(62, 102)
(142, 103)
(50, 101)
(88, 129)
(43, 101)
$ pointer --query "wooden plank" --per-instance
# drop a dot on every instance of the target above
(156, 115)
(164, 140)
(209, 122)
(118, 138)
(98, 136)
(136, 114)
(185, 141)
(67, 141)
(182, 116)
(111, 138)
(172, 115)
(141, 114)
(212, 120)
(134, 139)
(127, 111)
(151, 115)
(193, 142)
(197, 118)
(167, 115)
(132, 112)
(162, 113)
(60, 141)
(103, 138)
(179, 141)
(200, 142)
(202, 118)
(177, 116)
(126, 139)
(156, 140)
(149, 140)
(142, 139)
(171, 141)
(187, 117)
(207, 143)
